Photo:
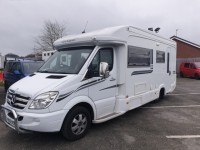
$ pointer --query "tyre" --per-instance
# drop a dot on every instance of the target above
(6, 86)
(76, 123)
(196, 76)
(181, 75)
(162, 94)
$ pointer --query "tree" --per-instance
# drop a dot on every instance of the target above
(50, 33)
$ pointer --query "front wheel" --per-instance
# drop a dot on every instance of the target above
(197, 76)
(76, 123)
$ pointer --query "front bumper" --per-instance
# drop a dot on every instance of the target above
(13, 122)
(24, 122)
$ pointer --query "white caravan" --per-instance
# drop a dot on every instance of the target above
(92, 78)
(47, 54)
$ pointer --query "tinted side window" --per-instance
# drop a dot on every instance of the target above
(8, 66)
(103, 55)
(192, 66)
(160, 57)
(16, 66)
(186, 65)
(106, 55)
(138, 56)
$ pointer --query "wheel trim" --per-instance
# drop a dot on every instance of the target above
(79, 124)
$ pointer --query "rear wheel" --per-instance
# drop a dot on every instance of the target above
(196, 76)
(162, 94)
(76, 123)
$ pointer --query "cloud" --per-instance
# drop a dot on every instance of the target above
(22, 20)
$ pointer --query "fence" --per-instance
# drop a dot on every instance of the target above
(180, 60)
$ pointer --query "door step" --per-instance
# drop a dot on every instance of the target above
(108, 117)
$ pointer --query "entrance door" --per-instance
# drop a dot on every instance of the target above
(171, 69)
(103, 90)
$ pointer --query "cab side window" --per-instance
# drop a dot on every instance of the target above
(103, 55)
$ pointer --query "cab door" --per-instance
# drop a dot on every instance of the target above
(103, 90)
(192, 70)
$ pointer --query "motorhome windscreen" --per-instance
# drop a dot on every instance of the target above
(67, 60)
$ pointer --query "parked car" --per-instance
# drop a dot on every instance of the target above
(190, 69)
(18, 69)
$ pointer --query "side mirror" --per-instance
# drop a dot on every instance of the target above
(16, 72)
(104, 70)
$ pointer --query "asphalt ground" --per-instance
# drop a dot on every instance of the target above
(170, 124)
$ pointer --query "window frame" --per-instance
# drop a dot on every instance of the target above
(185, 65)
(160, 62)
(140, 66)
(99, 58)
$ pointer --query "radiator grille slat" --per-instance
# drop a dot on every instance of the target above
(16, 100)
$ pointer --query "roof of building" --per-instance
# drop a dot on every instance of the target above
(185, 41)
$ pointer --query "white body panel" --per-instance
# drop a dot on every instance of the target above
(126, 87)
(2, 59)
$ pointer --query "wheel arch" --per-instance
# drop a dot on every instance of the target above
(162, 87)
(82, 101)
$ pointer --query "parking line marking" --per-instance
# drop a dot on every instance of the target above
(185, 106)
(182, 136)
(185, 94)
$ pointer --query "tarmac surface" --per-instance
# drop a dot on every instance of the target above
(170, 124)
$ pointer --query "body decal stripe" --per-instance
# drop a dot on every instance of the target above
(113, 86)
(63, 96)
(141, 72)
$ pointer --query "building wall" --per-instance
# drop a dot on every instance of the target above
(187, 51)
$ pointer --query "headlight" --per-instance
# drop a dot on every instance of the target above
(43, 100)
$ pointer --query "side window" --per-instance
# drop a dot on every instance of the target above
(103, 55)
(106, 55)
(8, 66)
(186, 65)
(138, 56)
(16, 66)
(160, 57)
(192, 66)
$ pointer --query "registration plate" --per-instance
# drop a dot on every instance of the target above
(10, 122)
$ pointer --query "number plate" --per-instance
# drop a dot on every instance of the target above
(10, 122)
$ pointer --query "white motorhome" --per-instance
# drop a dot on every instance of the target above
(92, 78)
(47, 54)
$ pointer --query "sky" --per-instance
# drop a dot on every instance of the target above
(22, 20)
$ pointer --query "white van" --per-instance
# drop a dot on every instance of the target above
(92, 78)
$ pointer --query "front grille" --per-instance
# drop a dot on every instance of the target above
(16, 100)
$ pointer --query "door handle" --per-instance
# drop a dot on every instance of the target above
(112, 79)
